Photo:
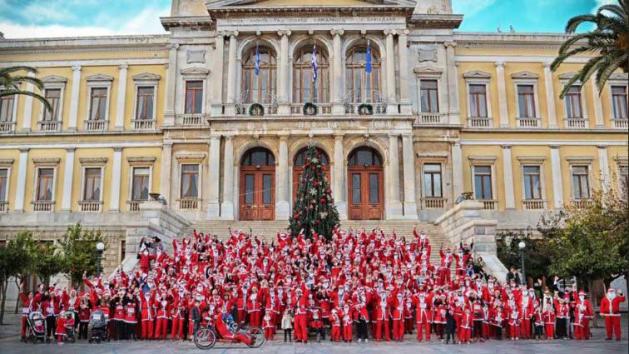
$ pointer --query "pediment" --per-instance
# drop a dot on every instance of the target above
(428, 70)
(100, 77)
(146, 77)
(476, 74)
(199, 71)
(567, 76)
(619, 76)
(54, 79)
(301, 3)
(524, 75)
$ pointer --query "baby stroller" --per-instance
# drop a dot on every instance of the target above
(68, 325)
(98, 327)
(36, 327)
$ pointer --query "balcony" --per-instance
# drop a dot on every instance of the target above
(533, 204)
(576, 123)
(44, 205)
(430, 118)
(189, 203)
(581, 203)
(489, 204)
(253, 109)
(529, 122)
(191, 119)
(90, 206)
(434, 203)
(7, 127)
(620, 123)
(322, 109)
(143, 124)
(363, 108)
(96, 125)
(134, 205)
(49, 125)
(479, 122)
(4, 207)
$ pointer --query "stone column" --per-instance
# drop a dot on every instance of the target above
(27, 117)
(390, 72)
(502, 95)
(337, 73)
(283, 84)
(122, 95)
(555, 164)
(20, 189)
(603, 164)
(166, 169)
(507, 170)
(598, 106)
(457, 170)
(231, 74)
(227, 207)
(405, 104)
(171, 85)
(408, 154)
(74, 97)
(214, 169)
(217, 81)
(339, 173)
(550, 96)
(282, 206)
(68, 180)
(116, 177)
(394, 205)
(453, 84)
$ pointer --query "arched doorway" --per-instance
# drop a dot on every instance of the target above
(298, 167)
(365, 184)
(257, 185)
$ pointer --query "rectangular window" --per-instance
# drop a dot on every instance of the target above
(432, 180)
(91, 189)
(249, 182)
(4, 184)
(267, 188)
(98, 103)
(140, 187)
(580, 182)
(54, 98)
(478, 101)
(356, 188)
(144, 108)
(374, 188)
(194, 97)
(526, 101)
(623, 175)
(6, 108)
(573, 103)
(429, 96)
(482, 183)
(532, 183)
(189, 181)
(45, 178)
(619, 102)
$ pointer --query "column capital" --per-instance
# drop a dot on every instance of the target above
(500, 64)
(284, 33)
(404, 32)
(390, 32)
(118, 149)
(337, 32)
(506, 146)
(24, 149)
(123, 66)
(70, 149)
(547, 65)
(174, 46)
(284, 137)
(231, 34)
(339, 136)
(449, 44)
(554, 146)
(601, 146)
(76, 67)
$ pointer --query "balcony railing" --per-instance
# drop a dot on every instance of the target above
(4, 206)
(578, 123)
(434, 203)
(425, 118)
(529, 122)
(49, 125)
(533, 204)
(620, 123)
(322, 108)
(479, 122)
(96, 125)
(355, 108)
(245, 109)
(581, 203)
(189, 203)
(134, 205)
(143, 124)
(44, 205)
(489, 204)
(191, 119)
(7, 127)
(90, 206)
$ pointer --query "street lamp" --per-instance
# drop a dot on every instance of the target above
(100, 248)
(522, 246)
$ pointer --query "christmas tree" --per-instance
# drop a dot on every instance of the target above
(314, 209)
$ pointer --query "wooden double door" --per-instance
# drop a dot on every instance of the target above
(365, 195)
(257, 193)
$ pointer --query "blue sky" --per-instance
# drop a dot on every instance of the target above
(52, 18)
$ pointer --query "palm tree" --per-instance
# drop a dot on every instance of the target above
(609, 40)
(10, 83)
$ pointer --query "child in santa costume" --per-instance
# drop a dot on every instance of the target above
(549, 319)
(347, 324)
(267, 326)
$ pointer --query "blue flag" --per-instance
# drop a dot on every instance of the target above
(256, 68)
(368, 58)
(315, 66)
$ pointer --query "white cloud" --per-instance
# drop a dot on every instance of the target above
(471, 7)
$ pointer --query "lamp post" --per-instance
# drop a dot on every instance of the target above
(100, 248)
(522, 246)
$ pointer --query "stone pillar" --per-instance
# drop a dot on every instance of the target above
(453, 84)
(507, 170)
(171, 85)
(405, 104)
(68, 180)
(555, 164)
(390, 72)
(217, 81)
(122, 95)
(337, 73)
(502, 95)
(74, 97)
(283, 83)
(214, 169)
(282, 206)
(166, 169)
(550, 96)
(598, 106)
(408, 155)
(339, 173)
(227, 207)
(603, 164)
(27, 117)
(20, 189)
(116, 176)
(394, 205)
(231, 74)
(457, 170)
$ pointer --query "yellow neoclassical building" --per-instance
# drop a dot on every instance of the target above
(407, 112)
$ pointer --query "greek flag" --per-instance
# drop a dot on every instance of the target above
(368, 58)
(256, 68)
(315, 66)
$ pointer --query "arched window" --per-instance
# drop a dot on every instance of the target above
(258, 157)
(259, 88)
(305, 89)
(300, 158)
(362, 87)
(364, 156)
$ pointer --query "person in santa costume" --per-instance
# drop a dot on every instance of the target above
(466, 326)
(549, 317)
(582, 314)
(382, 319)
(267, 326)
(610, 310)
(163, 315)
(423, 316)
(28, 305)
(397, 316)
(347, 323)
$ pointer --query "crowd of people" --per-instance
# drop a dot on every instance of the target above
(359, 286)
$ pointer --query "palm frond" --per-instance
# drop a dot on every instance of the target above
(613, 8)
(11, 69)
(576, 21)
(614, 63)
(32, 80)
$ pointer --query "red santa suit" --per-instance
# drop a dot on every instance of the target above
(254, 309)
(398, 317)
(549, 321)
(526, 311)
(610, 309)
(582, 314)
(423, 317)
(301, 322)
(466, 326)
(147, 312)
(163, 314)
(335, 321)
(382, 320)
(268, 327)
(347, 324)
(178, 318)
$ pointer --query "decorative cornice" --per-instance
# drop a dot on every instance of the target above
(46, 161)
(100, 77)
(54, 79)
(436, 21)
(196, 70)
(474, 158)
(141, 159)
(477, 74)
(619, 76)
(428, 70)
(6, 162)
(93, 160)
(579, 159)
(524, 75)
(531, 159)
(146, 77)
(194, 22)
(190, 157)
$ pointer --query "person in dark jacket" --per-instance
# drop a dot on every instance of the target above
(195, 317)
(450, 326)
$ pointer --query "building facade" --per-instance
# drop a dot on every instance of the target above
(407, 112)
